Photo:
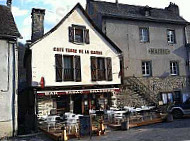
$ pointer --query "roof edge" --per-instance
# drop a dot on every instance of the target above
(149, 20)
(78, 5)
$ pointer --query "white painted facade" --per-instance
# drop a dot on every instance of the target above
(43, 54)
(8, 88)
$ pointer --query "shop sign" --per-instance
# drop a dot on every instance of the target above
(158, 51)
(46, 93)
(80, 51)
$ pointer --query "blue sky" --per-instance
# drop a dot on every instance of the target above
(57, 9)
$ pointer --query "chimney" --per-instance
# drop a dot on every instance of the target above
(37, 23)
(173, 8)
(9, 3)
(88, 1)
(147, 11)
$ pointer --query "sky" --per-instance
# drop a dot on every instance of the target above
(57, 9)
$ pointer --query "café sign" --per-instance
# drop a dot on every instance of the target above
(80, 51)
(158, 51)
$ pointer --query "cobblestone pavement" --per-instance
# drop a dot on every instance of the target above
(179, 130)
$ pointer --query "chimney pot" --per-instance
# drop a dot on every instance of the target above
(9, 3)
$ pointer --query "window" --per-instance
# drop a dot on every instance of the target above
(177, 97)
(146, 68)
(78, 34)
(68, 68)
(101, 69)
(174, 68)
(144, 34)
(167, 98)
(171, 36)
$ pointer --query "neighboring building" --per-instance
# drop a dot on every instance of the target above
(8, 72)
(153, 44)
(75, 67)
(188, 33)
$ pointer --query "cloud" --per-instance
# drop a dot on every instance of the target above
(57, 9)
(19, 12)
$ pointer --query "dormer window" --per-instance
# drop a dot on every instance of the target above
(78, 34)
(147, 11)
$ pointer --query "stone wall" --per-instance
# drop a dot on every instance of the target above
(156, 85)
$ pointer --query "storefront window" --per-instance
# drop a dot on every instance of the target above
(167, 98)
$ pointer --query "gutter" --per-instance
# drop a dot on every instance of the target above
(11, 36)
(143, 19)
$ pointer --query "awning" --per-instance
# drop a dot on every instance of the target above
(85, 91)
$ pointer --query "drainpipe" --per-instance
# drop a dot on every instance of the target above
(187, 48)
(14, 89)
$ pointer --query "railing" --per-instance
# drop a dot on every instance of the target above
(136, 85)
(69, 74)
(101, 74)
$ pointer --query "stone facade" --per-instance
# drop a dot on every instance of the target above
(122, 24)
(157, 85)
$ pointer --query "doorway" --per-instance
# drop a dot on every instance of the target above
(77, 104)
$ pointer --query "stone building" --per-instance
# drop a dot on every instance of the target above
(155, 58)
(8, 72)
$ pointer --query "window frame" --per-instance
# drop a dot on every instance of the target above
(167, 100)
(142, 35)
(169, 36)
(84, 35)
(95, 75)
(76, 77)
(145, 69)
(72, 67)
(172, 70)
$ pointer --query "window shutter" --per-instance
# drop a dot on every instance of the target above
(77, 69)
(71, 34)
(94, 68)
(109, 69)
(140, 34)
(86, 35)
(59, 65)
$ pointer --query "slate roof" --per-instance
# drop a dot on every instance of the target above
(8, 27)
(134, 12)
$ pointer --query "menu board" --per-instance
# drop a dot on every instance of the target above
(85, 126)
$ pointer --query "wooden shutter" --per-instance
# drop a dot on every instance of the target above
(140, 35)
(71, 34)
(93, 68)
(59, 65)
(109, 69)
(77, 69)
(86, 36)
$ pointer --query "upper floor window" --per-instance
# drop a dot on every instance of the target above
(68, 68)
(171, 36)
(101, 69)
(144, 34)
(146, 68)
(78, 34)
(174, 68)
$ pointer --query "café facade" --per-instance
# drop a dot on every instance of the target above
(74, 67)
